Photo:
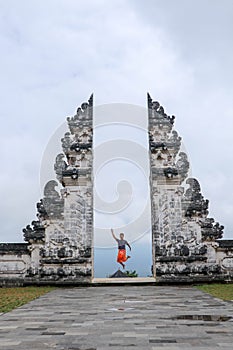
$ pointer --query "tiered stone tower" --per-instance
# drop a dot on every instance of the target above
(184, 238)
(61, 239)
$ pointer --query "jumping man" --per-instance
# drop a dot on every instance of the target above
(121, 257)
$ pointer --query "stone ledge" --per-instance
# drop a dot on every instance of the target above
(65, 261)
(225, 243)
(15, 248)
(177, 279)
(129, 280)
(187, 259)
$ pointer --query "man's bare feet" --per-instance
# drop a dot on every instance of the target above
(128, 257)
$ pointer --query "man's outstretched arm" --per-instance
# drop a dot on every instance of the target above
(113, 234)
(128, 245)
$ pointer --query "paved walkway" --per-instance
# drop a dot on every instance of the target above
(120, 317)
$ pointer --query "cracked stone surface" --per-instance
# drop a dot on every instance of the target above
(138, 317)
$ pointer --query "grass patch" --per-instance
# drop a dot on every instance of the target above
(222, 291)
(11, 298)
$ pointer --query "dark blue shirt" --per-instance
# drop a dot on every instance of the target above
(121, 243)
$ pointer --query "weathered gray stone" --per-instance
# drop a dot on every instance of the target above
(120, 317)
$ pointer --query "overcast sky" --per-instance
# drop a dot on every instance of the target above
(54, 54)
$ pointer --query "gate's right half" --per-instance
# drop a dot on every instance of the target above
(184, 239)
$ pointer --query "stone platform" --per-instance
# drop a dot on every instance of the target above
(134, 280)
(120, 317)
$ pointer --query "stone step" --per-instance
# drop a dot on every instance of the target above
(133, 280)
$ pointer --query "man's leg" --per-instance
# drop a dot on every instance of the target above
(123, 265)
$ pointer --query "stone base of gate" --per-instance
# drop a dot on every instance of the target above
(133, 280)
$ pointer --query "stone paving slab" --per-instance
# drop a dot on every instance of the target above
(120, 317)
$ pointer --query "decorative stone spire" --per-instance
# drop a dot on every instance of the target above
(181, 228)
(62, 235)
(82, 118)
(165, 145)
(76, 161)
(157, 113)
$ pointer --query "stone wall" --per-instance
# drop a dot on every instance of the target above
(14, 264)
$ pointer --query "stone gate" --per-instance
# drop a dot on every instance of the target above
(186, 243)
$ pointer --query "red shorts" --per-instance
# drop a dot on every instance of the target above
(121, 257)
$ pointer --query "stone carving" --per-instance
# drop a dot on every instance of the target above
(194, 204)
(42, 213)
(182, 165)
(175, 138)
(228, 262)
(66, 142)
(157, 111)
(84, 136)
(60, 166)
(12, 267)
(53, 203)
(49, 208)
(174, 142)
(78, 146)
(170, 172)
(72, 172)
(211, 230)
(82, 118)
(36, 233)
